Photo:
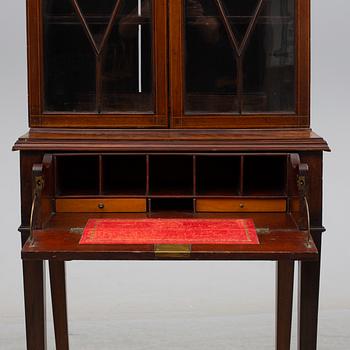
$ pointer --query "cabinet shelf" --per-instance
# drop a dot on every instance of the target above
(170, 194)
(130, 194)
(265, 175)
(123, 175)
(73, 21)
(240, 19)
(218, 175)
(172, 204)
(77, 175)
(223, 102)
(171, 176)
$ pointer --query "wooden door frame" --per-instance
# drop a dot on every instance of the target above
(301, 117)
(39, 118)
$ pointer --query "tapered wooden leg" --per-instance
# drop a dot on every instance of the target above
(284, 303)
(59, 303)
(34, 301)
(309, 279)
(309, 289)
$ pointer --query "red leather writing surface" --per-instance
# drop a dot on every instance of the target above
(169, 231)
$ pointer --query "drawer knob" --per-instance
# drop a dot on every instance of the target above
(241, 205)
(101, 205)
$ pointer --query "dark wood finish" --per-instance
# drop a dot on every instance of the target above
(309, 284)
(308, 305)
(284, 303)
(34, 301)
(289, 244)
(59, 303)
(309, 274)
(34, 38)
(303, 59)
(170, 131)
(59, 245)
(172, 140)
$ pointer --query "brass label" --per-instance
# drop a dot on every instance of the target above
(172, 250)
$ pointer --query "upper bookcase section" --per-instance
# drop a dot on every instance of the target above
(167, 63)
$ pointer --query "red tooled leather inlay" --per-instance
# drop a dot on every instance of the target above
(169, 231)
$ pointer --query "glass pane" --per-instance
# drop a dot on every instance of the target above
(69, 62)
(91, 66)
(210, 61)
(269, 63)
(127, 61)
(245, 66)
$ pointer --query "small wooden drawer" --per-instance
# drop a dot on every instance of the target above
(101, 205)
(221, 205)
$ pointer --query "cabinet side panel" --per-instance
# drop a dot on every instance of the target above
(303, 58)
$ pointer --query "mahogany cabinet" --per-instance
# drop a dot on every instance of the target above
(167, 108)
(179, 64)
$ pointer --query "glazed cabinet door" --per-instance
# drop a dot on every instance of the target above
(101, 63)
(244, 63)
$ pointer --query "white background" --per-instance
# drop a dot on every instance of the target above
(185, 305)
